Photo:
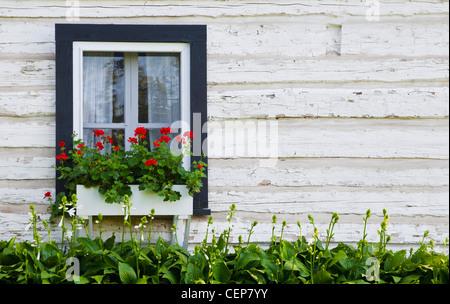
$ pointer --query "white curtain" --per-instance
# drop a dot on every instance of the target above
(163, 88)
(98, 88)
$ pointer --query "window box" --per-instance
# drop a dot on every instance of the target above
(91, 203)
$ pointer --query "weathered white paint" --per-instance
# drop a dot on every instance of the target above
(316, 172)
(328, 102)
(27, 103)
(259, 37)
(214, 9)
(374, 138)
(232, 70)
(361, 110)
(367, 138)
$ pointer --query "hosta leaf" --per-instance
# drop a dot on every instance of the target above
(411, 279)
(247, 260)
(49, 250)
(127, 274)
(271, 269)
(257, 275)
(221, 272)
(322, 277)
(89, 244)
(170, 275)
(395, 260)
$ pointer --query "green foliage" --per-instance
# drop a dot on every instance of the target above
(212, 262)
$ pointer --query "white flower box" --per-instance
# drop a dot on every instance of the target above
(91, 203)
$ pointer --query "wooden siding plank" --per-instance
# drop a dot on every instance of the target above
(350, 172)
(366, 138)
(27, 103)
(34, 132)
(398, 200)
(374, 138)
(229, 102)
(398, 37)
(342, 70)
(266, 70)
(215, 9)
(403, 39)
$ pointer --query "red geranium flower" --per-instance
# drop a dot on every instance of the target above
(165, 131)
(150, 162)
(47, 195)
(133, 140)
(189, 134)
(99, 145)
(81, 146)
(110, 139)
(116, 148)
(165, 138)
(200, 166)
(98, 133)
(140, 131)
(156, 144)
(61, 156)
(61, 144)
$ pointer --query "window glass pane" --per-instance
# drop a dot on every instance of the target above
(117, 136)
(159, 87)
(103, 87)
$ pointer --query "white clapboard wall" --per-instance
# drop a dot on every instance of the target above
(359, 105)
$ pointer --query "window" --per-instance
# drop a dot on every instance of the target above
(121, 86)
(120, 77)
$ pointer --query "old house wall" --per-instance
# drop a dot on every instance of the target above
(358, 95)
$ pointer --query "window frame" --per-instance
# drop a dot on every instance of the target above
(130, 108)
(69, 38)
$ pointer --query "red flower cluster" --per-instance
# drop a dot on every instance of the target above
(80, 146)
(166, 131)
(189, 134)
(62, 156)
(98, 133)
(61, 144)
(150, 162)
(140, 131)
(133, 140)
(47, 195)
(99, 145)
(164, 138)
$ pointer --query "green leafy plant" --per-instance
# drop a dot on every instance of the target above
(103, 164)
(136, 262)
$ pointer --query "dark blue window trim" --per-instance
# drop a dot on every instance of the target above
(66, 34)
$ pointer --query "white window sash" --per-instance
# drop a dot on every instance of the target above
(131, 107)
